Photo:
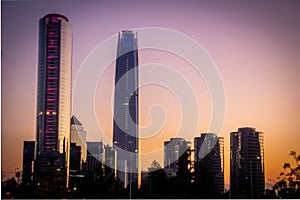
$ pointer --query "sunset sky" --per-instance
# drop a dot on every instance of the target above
(254, 44)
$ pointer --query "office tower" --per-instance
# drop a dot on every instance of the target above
(76, 173)
(125, 128)
(53, 98)
(94, 160)
(28, 157)
(209, 164)
(247, 175)
(78, 136)
(50, 174)
(173, 150)
(75, 157)
(110, 161)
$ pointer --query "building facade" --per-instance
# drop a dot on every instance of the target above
(53, 94)
(247, 175)
(78, 136)
(209, 163)
(28, 158)
(173, 149)
(125, 126)
(94, 160)
(109, 161)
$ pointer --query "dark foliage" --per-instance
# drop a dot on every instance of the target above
(288, 183)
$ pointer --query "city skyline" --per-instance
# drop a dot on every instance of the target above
(268, 100)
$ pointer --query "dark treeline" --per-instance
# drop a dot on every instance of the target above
(98, 184)
(186, 184)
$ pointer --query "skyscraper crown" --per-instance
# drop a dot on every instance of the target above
(58, 16)
(75, 121)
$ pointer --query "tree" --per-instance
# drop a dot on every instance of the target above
(288, 184)
(11, 187)
(203, 183)
(156, 184)
(181, 186)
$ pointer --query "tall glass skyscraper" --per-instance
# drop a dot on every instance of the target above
(247, 175)
(125, 128)
(53, 97)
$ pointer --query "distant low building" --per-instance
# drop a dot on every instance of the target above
(110, 164)
(94, 160)
(76, 174)
(28, 158)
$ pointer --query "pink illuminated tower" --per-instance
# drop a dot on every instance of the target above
(53, 101)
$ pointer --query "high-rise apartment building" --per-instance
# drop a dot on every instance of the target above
(125, 128)
(209, 163)
(53, 99)
(173, 149)
(247, 175)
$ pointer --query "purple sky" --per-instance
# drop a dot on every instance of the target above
(255, 45)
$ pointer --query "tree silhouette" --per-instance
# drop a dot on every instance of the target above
(288, 184)
(203, 183)
(11, 188)
(156, 184)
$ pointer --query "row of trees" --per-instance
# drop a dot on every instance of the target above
(105, 185)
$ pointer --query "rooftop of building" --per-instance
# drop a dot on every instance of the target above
(75, 121)
(52, 15)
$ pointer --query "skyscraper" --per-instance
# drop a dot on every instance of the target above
(78, 136)
(209, 163)
(173, 149)
(247, 175)
(53, 97)
(125, 128)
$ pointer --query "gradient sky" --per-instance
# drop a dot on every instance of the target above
(255, 45)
